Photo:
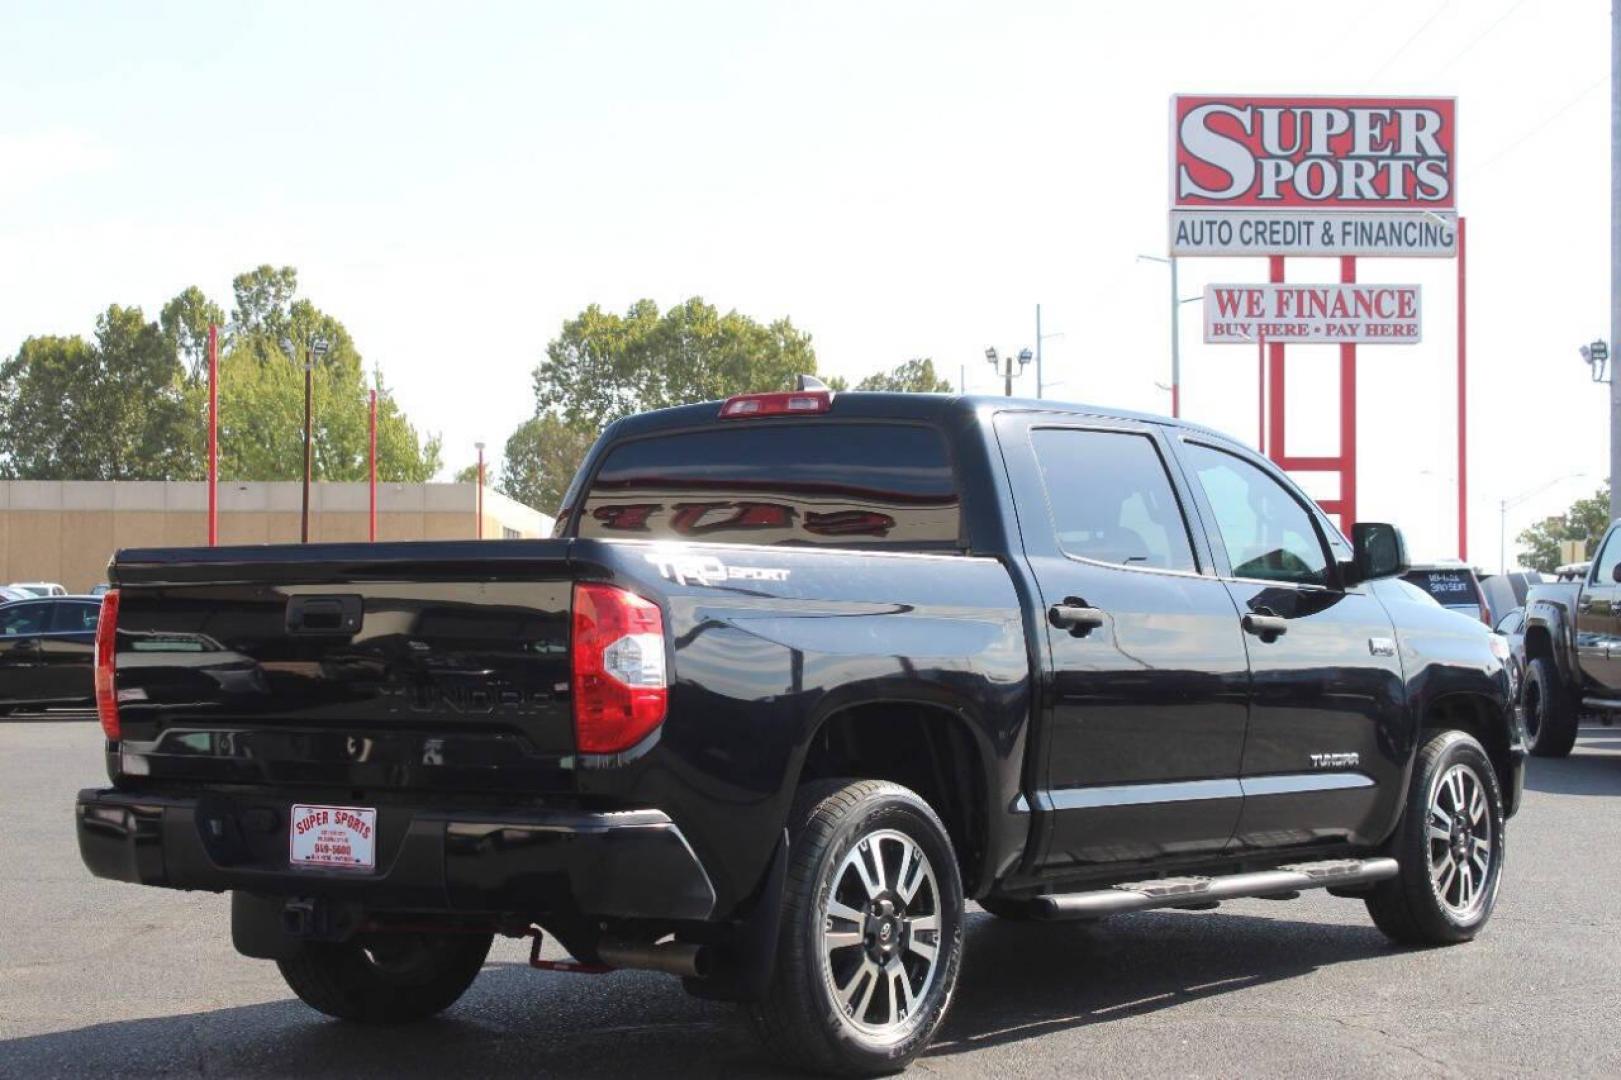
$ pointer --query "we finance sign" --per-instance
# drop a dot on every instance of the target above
(1347, 314)
(1313, 176)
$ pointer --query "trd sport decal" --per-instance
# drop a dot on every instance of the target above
(708, 570)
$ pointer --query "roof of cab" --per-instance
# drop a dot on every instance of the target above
(891, 405)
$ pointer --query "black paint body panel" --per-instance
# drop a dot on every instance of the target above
(1167, 739)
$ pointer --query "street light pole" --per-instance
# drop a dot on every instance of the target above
(313, 349)
(1177, 301)
(1004, 366)
(1176, 344)
(1615, 254)
(1504, 505)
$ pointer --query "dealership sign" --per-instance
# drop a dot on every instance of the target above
(1343, 314)
(1313, 176)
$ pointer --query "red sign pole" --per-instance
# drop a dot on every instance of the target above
(1347, 498)
(213, 435)
(1260, 394)
(1275, 393)
(372, 526)
(1463, 402)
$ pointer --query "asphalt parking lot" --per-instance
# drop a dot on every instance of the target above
(103, 979)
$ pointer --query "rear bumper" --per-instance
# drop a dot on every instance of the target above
(630, 864)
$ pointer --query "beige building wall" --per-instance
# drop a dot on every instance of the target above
(65, 531)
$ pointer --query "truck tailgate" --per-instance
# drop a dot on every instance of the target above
(361, 666)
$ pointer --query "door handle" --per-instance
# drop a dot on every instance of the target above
(1266, 627)
(28, 645)
(1078, 619)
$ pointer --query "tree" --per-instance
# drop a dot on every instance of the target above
(916, 376)
(1585, 520)
(541, 458)
(117, 408)
(263, 299)
(262, 394)
(185, 321)
(604, 366)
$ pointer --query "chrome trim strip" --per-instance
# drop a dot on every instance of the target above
(1300, 783)
(1093, 798)
(1098, 798)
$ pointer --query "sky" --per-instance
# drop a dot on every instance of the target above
(901, 179)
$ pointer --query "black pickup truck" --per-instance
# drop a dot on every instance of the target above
(1572, 633)
(797, 676)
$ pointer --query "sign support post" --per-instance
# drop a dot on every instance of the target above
(1463, 402)
(1333, 177)
(213, 435)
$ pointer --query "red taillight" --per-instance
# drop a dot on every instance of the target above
(620, 688)
(791, 402)
(106, 653)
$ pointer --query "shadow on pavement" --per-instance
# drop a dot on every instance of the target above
(1021, 981)
(1597, 771)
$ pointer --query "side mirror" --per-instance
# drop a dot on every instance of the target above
(1380, 551)
(1616, 573)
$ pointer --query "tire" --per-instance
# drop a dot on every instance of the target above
(1550, 718)
(386, 978)
(1009, 908)
(827, 1009)
(1426, 903)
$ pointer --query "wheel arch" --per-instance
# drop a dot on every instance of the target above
(932, 749)
(1483, 718)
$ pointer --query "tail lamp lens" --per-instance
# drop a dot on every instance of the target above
(621, 688)
(106, 653)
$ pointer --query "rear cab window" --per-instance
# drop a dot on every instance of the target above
(823, 484)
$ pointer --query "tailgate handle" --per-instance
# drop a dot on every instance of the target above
(324, 614)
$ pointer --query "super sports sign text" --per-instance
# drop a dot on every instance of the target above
(1268, 153)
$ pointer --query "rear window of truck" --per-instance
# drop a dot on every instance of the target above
(818, 484)
(1450, 588)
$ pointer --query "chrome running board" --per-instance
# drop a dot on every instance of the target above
(1209, 891)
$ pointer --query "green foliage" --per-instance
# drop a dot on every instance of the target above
(916, 376)
(604, 366)
(541, 458)
(1585, 520)
(118, 408)
(185, 321)
(125, 408)
(262, 423)
(467, 474)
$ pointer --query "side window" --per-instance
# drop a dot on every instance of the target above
(23, 619)
(1604, 565)
(1268, 535)
(1111, 499)
(74, 618)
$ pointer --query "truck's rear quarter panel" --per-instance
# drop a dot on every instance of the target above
(769, 642)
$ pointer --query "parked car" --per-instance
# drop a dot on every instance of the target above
(1573, 651)
(1454, 586)
(98, 588)
(39, 588)
(7, 594)
(46, 653)
(799, 673)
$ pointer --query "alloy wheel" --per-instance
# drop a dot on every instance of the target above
(881, 933)
(1462, 856)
